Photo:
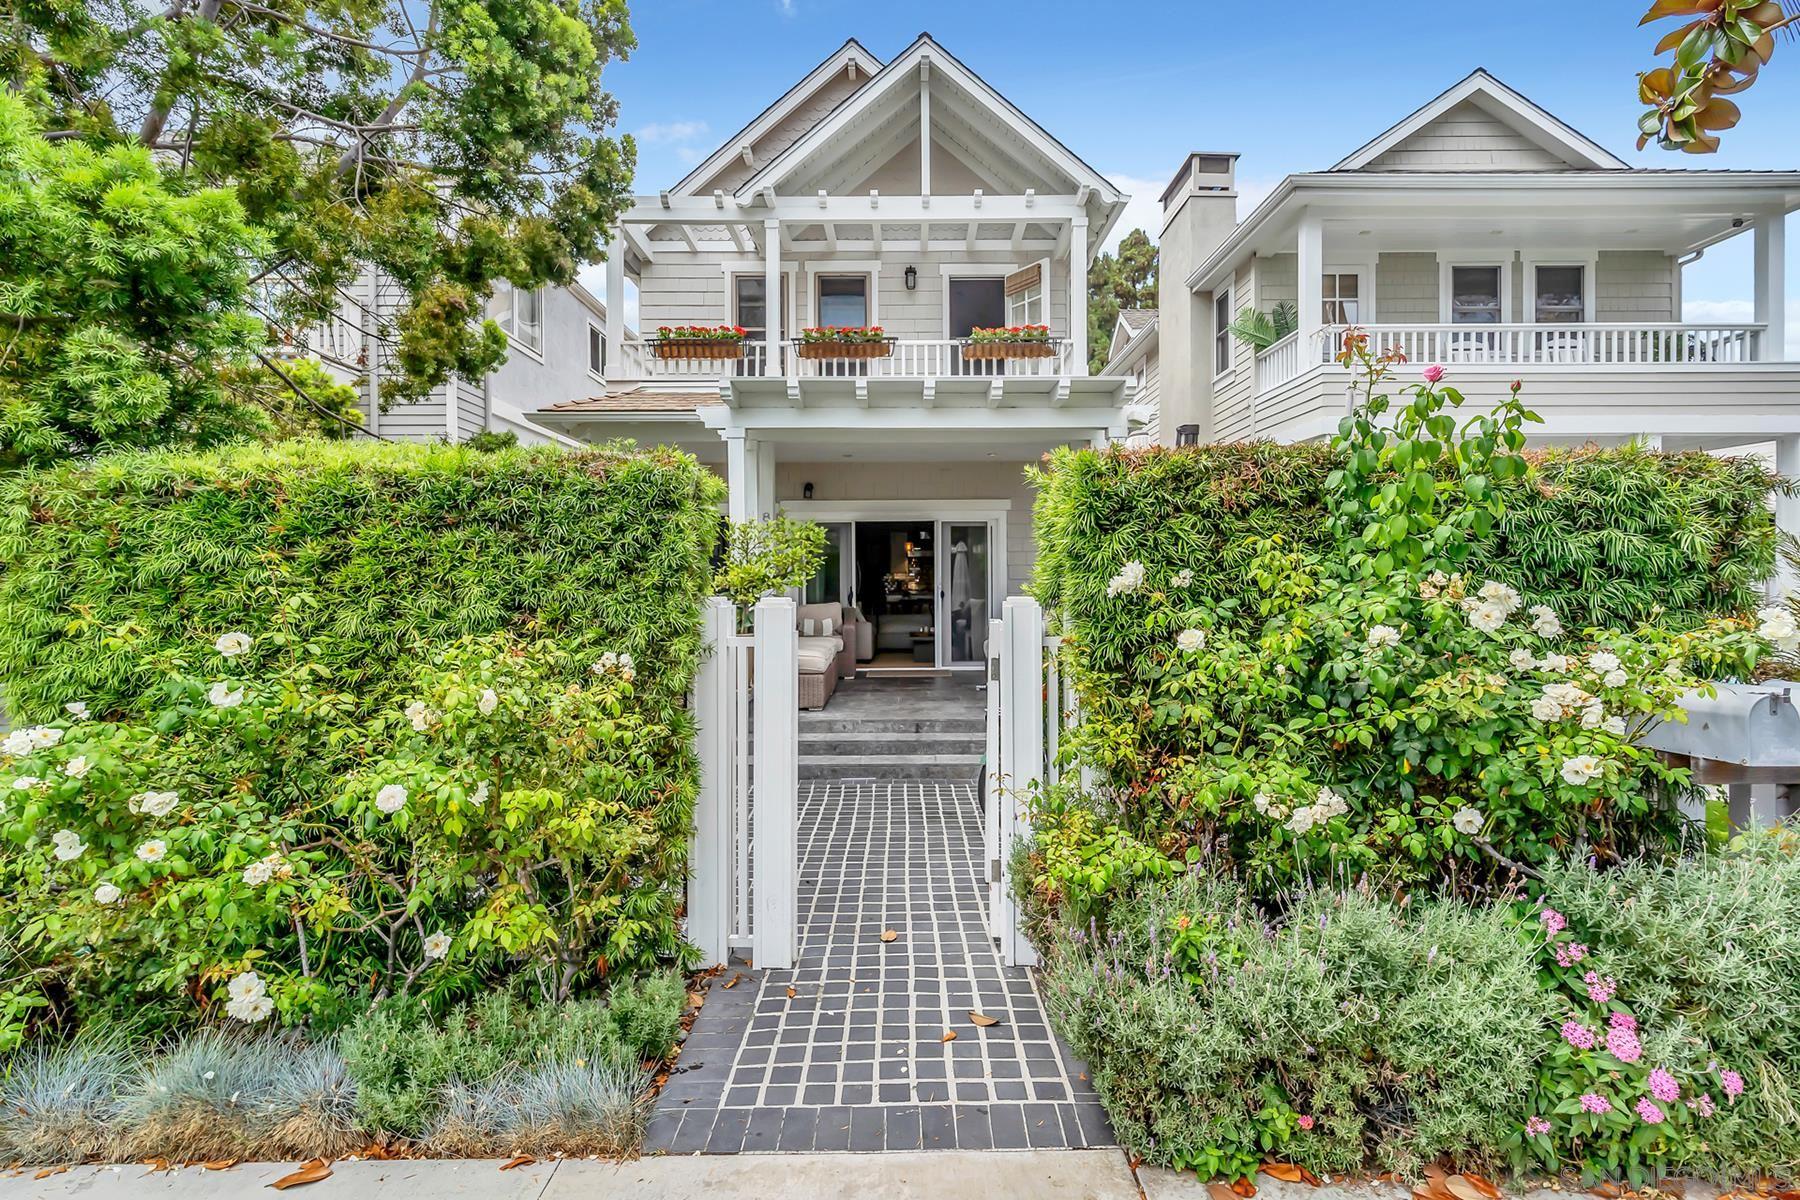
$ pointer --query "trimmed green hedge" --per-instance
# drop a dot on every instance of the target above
(109, 570)
(1602, 536)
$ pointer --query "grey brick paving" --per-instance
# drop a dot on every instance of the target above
(855, 1059)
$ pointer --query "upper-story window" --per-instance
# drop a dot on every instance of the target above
(1560, 295)
(844, 300)
(1342, 293)
(1475, 294)
(524, 320)
(596, 350)
(750, 306)
(1222, 332)
(1025, 296)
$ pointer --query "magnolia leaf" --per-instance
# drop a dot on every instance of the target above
(47, 1172)
(1482, 1185)
(982, 1019)
(1220, 1191)
(792, 993)
(949, 1036)
(1719, 113)
(312, 1172)
(1678, 8)
(888, 935)
(523, 1160)
(1462, 1189)
(1243, 1188)
(220, 1164)
(1673, 38)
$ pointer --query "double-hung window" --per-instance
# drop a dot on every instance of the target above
(1559, 296)
(596, 351)
(1341, 291)
(844, 301)
(1222, 332)
(524, 321)
(1475, 295)
(1025, 296)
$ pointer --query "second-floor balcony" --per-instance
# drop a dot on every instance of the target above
(896, 358)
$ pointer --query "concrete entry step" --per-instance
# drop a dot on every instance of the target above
(899, 768)
(887, 745)
(898, 731)
(826, 721)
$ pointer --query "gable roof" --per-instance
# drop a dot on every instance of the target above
(896, 74)
(1524, 116)
(851, 53)
(1136, 329)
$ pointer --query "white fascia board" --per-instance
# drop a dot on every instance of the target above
(854, 209)
(784, 105)
(1132, 351)
(1751, 191)
(1538, 122)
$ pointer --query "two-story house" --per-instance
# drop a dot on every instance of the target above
(1484, 234)
(907, 195)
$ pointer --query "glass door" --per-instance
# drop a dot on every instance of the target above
(965, 591)
(836, 577)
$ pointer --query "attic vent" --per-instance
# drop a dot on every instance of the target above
(1212, 164)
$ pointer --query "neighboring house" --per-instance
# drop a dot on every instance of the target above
(556, 348)
(1133, 353)
(908, 195)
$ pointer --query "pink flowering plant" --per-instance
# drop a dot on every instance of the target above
(1611, 1101)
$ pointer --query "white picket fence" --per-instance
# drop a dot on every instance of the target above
(742, 858)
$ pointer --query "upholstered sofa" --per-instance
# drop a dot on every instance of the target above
(827, 643)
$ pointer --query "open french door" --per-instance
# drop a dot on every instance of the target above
(966, 562)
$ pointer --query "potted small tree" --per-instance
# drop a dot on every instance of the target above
(703, 343)
(1009, 341)
(844, 341)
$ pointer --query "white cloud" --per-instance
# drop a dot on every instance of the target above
(1737, 312)
(787, 7)
(671, 131)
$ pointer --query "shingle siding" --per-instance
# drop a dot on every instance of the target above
(1467, 139)
(1406, 288)
(1635, 285)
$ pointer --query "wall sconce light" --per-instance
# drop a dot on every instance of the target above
(807, 491)
(912, 279)
(1187, 435)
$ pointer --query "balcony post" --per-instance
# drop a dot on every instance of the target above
(1310, 279)
(1769, 254)
(742, 475)
(1787, 509)
(615, 304)
(1078, 296)
(772, 297)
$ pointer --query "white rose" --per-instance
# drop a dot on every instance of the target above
(1182, 578)
(1614, 725)
(1555, 662)
(259, 872)
(1615, 679)
(221, 696)
(1593, 716)
(1546, 710)
(626, 661)
(249, 1009)
(1191, 640)
(77, 767)
(1487, 616)
(44, 736)
(153, 850)
(77, 709)
(1129, 579)
(16, 744)
(1467, 821)
(1544, 621)
(1777, 624)
(437, 945)
(1329, 804)
(419, 715)
(68, 845)
(244, 984)
(1522, 660)
(391, 799)
(1602, 661)
(1383, 635)
(490, 700)
(1582, 770)
(1500, 596)
(25, 783)
(154, 804)
(481, 794)
(1302, 820)
(106, 893)
(232, 644)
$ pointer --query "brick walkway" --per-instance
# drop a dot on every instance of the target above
(855, 1058)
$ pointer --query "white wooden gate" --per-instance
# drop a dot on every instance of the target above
(742, 876)
(1028, 707)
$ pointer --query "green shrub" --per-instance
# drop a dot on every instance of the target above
(113, 571)
(1359, 1032)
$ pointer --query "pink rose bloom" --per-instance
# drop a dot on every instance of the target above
(1593, 1102)
(1535, 1126)
(1305, 1122)
(1433, 373)
(1624, 1045)
(1647, 1109)
(1664, 1087)
(1578, 1035)
(1732, 1082)
(1554, 921)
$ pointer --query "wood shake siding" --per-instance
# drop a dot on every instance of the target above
(1635, 285)
(1406, 288)
(780, 137)
(1467, 139)
(1231, 397)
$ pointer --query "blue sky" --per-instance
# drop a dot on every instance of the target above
(1132, 88)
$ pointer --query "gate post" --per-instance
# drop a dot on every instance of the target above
(775, 731)
(1022, 751)
(710, 866)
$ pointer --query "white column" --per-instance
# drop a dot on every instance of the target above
(615, 303)
(1022, 749)
(775, 732)
(766, 502)
(1310, 266)
(371, 320)
(710, 865)
(740, 477)
(1787, 508)
(1769, 255)
(772, 295)
(1078, 296)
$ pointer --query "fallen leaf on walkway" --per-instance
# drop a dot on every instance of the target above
(156, 1164)
(735, 980)
(792, 993)
(1289, 1173)
(220, 1164)
(1243, 1188)
(312, 1172)
(1609, 1191)
(523, 1160)
(982, 1019)
(949, 1036)
(47, 1172)
(1463, 1189)
(888, 935)
(1482, 1185)
(1220, 1191)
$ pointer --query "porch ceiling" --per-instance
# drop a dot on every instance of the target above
(947, 411)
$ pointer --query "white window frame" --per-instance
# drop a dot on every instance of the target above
(1365, 288)
(1446, 272)
(1039, 295)
(1590, 281)
(732, 271)
(510, 323)
(596, 337)
(999, 271)
(867, 267)
(1221, 336)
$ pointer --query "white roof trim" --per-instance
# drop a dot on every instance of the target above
(1523, 114)
(903, 69)
(1135, 347)
(851, 51)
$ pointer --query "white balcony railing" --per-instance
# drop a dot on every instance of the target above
(1589, 345)
(1278, 363)
(908, 359)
